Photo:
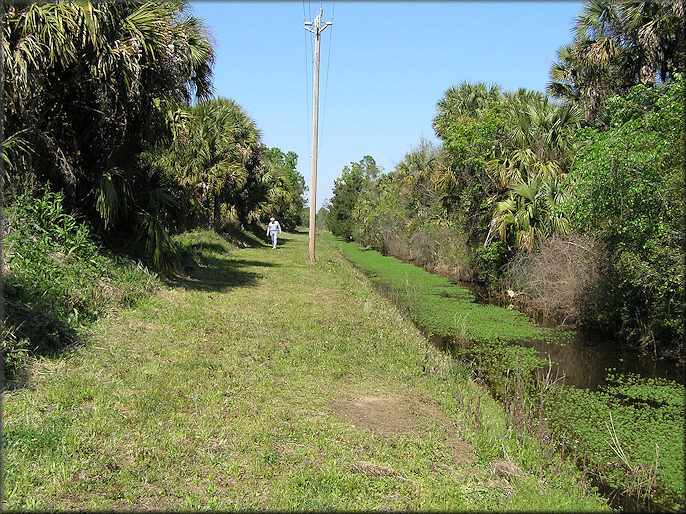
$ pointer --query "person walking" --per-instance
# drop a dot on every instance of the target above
(273, 229)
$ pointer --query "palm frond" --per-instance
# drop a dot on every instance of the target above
(113, 196)
(155, 244)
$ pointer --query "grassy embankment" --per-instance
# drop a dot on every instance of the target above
(444, 309)
(262, 381)
(596, 428)
(57, 280)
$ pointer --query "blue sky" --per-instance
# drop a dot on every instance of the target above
(383, 68)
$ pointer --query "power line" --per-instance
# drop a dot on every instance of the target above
(326, 80)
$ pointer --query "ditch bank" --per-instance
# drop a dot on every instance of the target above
(592, 418)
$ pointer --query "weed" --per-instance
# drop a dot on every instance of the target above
(652, 408)
(57, 280)
(641, 478)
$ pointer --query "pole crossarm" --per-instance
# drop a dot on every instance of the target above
(316, 28)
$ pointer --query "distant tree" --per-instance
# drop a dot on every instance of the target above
(285, 188)
(417, 171)
(322, 213)
(346, 190)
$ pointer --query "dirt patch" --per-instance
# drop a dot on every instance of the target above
(371, 469)
(383, 415)
(392, 414)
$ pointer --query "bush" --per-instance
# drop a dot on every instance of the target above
(628, 191)
(559, 280)
(56, 279)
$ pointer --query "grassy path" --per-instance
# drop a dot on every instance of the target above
(261, 381)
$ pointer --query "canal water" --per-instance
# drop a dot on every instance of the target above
(585, 358)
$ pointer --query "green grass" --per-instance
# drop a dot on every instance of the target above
(477, 333)
(577, 418)
(245, 385)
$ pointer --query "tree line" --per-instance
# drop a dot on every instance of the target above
(112, 105)
(568, 203)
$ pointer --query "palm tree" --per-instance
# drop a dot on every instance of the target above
(217, 157)
(617, 45)
(535, 122)
(656, 30)
(284, 188)
(88, 84)
(530, 214)
(467, 99)
(417, 172)
(539, 139)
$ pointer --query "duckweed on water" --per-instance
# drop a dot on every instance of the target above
(435, 303)
(647, 416)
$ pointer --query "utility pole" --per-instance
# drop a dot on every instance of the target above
(316, 29)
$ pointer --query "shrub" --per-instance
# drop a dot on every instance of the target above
(558, 281)
(56, 279)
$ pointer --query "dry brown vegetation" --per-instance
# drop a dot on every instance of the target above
(559, 280)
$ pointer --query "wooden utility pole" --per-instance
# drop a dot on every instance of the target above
(316, 29)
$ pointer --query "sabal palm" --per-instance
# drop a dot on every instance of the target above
(89, 81)
(535, 122)
(539, 139)
(530, 214)
(647, 36)
(215, 156)
(657, 31)
(579, 79)
(279, 195)
(617, 45)
(467, 99)
(417, 173)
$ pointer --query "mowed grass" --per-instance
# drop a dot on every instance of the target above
(260, 381)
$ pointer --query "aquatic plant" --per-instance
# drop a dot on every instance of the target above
(644, 433)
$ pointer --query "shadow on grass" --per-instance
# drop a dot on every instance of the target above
(215, 274)
(283, 240)
(33, 328)
(247, 239)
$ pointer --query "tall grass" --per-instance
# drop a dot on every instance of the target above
(57, 280)
(474, 332)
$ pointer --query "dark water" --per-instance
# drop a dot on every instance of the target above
(585, 359)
